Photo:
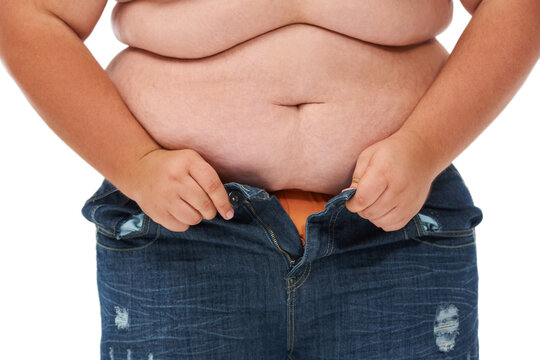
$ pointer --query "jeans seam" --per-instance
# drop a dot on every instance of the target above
(457, 233)
(333, 219)
(416, 220)
(304, 279)
(444, 246)
(292, 291)
(266, 228)
(130, 249)
(246, 189)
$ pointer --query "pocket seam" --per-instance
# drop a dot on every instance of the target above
(441, 233)
(130, 249)
(145, 228)
(444, 246)
(450, 233)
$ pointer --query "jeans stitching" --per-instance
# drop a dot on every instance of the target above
(416, 220)
(289, 313)
(333, 220)
(115, 224)
(452, 233)
(145, 225)
(266, 229)
(293, 292)
(246, 189)
(444, 246)
(305, 278)
(443, 233)
(130, 249)
(103, 230)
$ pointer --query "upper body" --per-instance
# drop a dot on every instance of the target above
(290, 94)
(277, 94)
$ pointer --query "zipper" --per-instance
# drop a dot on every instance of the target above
(294, 262)
(291, 261)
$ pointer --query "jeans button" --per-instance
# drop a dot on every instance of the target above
(235, 197)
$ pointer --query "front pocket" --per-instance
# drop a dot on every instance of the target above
(448, 216)
(467, 238)
(120, 222)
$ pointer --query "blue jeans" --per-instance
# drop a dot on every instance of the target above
(246, 289)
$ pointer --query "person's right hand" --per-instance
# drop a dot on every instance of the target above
(178, 188)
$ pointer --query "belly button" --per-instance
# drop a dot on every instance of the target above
(297, 106)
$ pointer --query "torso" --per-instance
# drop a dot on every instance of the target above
(277, 94)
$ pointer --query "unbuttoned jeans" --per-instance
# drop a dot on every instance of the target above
(246, 289)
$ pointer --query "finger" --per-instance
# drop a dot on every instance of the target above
(209, 180)
(359, 171)
(395, 219)
(190, 193)
(171, 223)
(184, 212)
(368, 190)
(384, 203)
(389, 217)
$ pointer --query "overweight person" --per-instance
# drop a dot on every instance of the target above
(278, 177)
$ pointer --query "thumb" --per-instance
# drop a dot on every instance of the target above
(361, 166)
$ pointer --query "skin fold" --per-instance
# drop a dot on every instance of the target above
(491, 60)
(270, 88)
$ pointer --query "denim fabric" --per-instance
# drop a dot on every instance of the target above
(246, 289)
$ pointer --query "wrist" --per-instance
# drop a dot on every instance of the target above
(131, 180)
(423, 150)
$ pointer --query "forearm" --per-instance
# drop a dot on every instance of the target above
(489, 63)
(74, 95)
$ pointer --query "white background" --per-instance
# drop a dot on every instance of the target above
(49, 303)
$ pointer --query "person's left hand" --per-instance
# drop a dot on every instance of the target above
(392, 178)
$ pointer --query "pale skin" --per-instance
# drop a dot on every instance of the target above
(178, 187)
(491, 60)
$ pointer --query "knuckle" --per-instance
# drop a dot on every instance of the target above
(179, 173)
(189, 154)
(180, 227)
(209, 214)
(214, 186)
(189, 159)
(172, 224)
(212, 213)
(207, 205)
(176, 227)
(184, 228)
(376, 223)
(196, 220)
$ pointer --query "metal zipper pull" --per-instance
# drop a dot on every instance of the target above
(295, 261)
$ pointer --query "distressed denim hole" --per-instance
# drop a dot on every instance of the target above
(446, 326)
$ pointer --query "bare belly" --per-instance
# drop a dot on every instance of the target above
(291, 108)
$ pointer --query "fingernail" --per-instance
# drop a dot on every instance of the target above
(229, 215)
(347, 189)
